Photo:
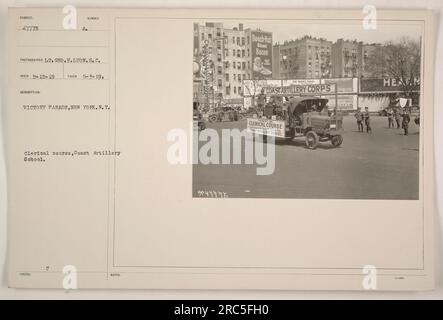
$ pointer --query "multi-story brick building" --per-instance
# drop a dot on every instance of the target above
(303, 58)
(350, 58)
(227, 57)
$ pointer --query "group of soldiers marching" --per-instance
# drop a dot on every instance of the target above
(401, 118)
(396, 115)
(363, 118)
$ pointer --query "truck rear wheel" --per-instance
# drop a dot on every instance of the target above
(337, 140)
(311, 140)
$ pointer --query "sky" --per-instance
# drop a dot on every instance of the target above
(334, 30)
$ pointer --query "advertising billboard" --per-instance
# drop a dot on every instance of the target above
(261, 54)
(344, 102)
(344, 85)
(386, 85)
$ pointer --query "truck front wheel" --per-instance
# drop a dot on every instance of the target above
(337, 140)
(311, 140)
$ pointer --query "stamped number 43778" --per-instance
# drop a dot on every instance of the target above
(212, 194)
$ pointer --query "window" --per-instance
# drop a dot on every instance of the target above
(243, 41)
(239, 77)
(238, 53)
(234, 77)
(233, 64)
(218, 32)
(249, 65)
(238, 41)
(219, 70)
(219, 83)
(209, 35)
(239, 90)
(243, 65)
(248, 53)
(233, 52)
(218, 44)
(227, 77)
(247, 39)
(243, 53)
(228, 90)
(233, 40)
(235, 90)
(219, 57)
(238, 65)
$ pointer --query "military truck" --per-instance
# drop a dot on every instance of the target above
(306, 117)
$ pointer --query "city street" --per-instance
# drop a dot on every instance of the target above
(383, 164)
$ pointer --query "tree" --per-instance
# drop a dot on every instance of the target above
(399, 60)
(252, 88)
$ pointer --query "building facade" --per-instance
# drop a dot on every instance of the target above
(350, 58)
(303, 58)
(227, 56)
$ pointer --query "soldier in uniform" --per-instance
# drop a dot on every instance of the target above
(367, 118)
(397, 117)
(359, 116)
(261, 101)
(405, 122)
(390, 118)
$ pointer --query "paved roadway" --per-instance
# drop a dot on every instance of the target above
(381, 165)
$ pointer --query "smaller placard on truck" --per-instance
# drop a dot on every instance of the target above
(267, 127)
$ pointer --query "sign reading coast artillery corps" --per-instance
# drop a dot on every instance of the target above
(267, 127)
(300, 89)
(296, 87)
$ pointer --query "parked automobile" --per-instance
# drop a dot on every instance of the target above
(224, 113)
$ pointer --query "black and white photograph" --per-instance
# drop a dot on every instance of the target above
(306, 110)
(308, 166)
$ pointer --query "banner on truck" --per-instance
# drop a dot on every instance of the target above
(268, 127)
